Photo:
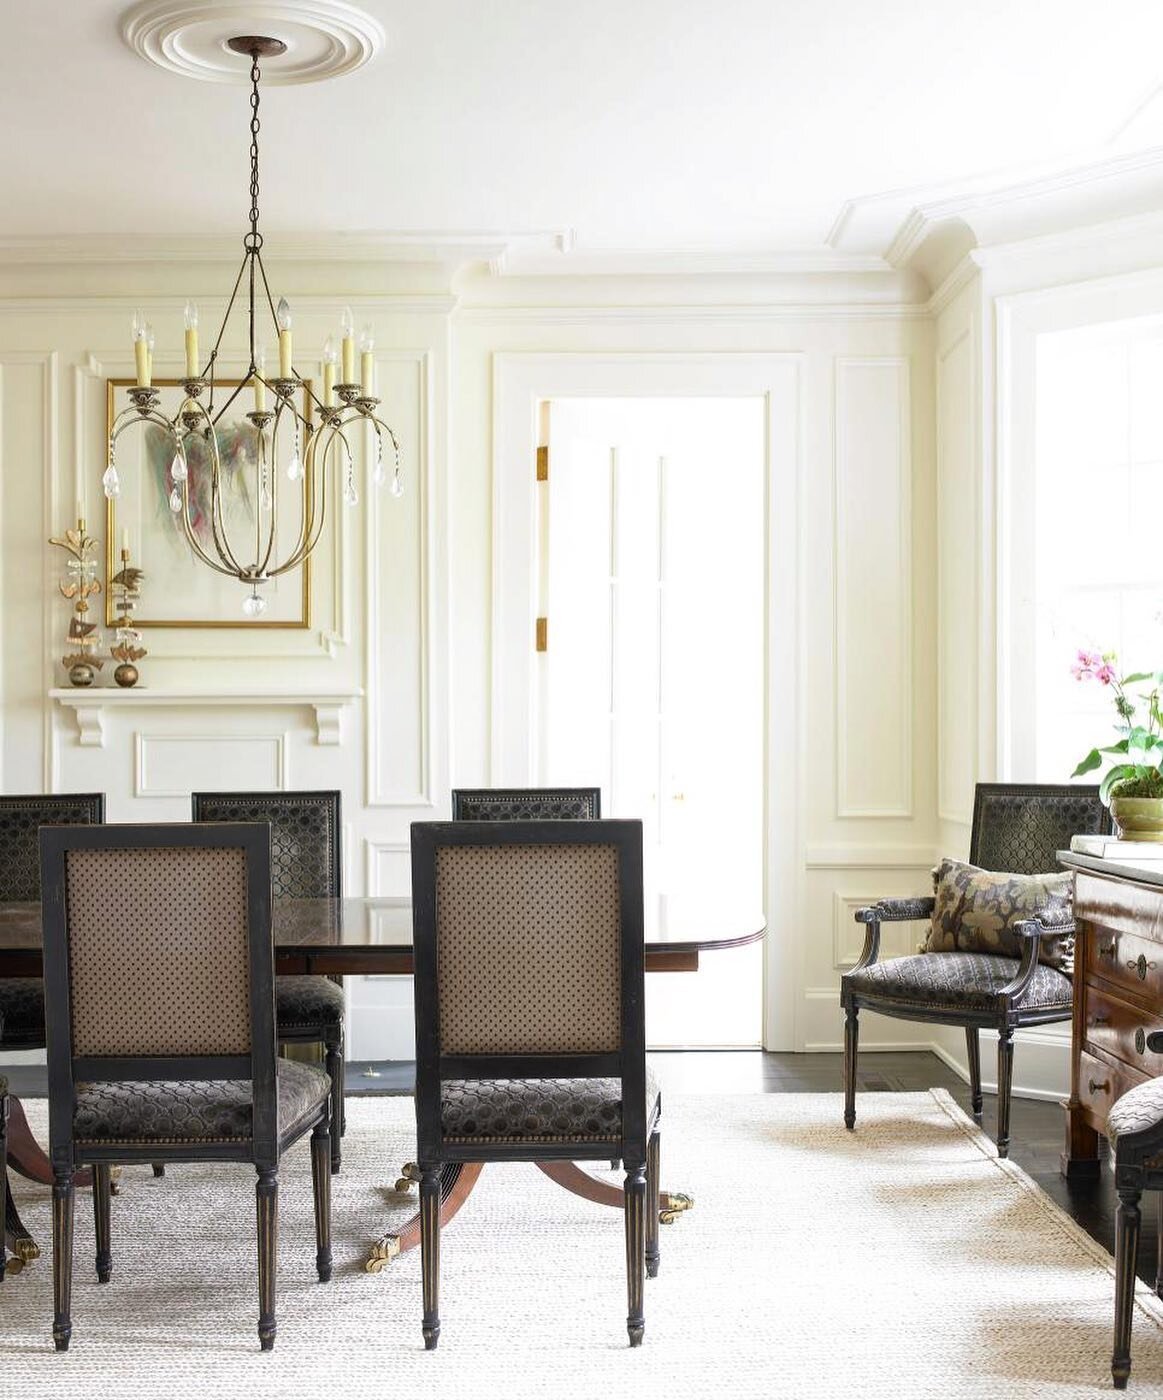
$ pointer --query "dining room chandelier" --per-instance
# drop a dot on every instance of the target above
(288, 444)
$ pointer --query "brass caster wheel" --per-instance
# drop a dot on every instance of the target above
(677, 1203)
(13, 1267)
(382, 1253)
(115, 1181)
(25, 1250)
(403, 1183)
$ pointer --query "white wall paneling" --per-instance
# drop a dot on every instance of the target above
(957, 575)
(873, 557)
(174, 765)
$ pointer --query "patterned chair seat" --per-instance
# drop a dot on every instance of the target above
(539, 1110)
(304, 1004)
(1139, 1108)
(192, 1110)
(957, 981)
(22, 1011)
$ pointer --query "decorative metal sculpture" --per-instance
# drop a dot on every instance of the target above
(80, 584)
(126, 651)
(313, 449)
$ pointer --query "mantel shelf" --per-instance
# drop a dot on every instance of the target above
(89, 704)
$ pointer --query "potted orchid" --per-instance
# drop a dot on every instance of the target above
(1133, 786)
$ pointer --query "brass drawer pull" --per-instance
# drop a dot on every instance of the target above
(1140, 965)
(1140, 1040)
(1103, 1088)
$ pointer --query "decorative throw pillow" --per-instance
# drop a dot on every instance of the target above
(975, 912)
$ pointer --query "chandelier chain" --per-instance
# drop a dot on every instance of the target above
(255, 240)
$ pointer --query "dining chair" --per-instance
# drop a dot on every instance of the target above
(22, 998)
(188, 1076)
(530, 1029)
(305, 864)
(1018, 970)
(526, 804)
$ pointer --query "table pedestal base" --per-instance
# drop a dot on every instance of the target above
(458, 1180)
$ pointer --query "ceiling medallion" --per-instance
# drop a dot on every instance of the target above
(323, 38)
(309, 449)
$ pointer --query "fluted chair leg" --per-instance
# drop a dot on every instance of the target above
(334, 1066)
(430, 1250)
(321, 1188)
(102, 1203)
(1005, 1080)
(653, 1154)
(62, 1258)
(3, 1175)
(635, 1194)
(1127, 1221)
(851, 1042)
(973, 1050)
(267, 1203)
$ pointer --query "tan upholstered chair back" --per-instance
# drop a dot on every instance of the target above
(159, 960)
(528, 949)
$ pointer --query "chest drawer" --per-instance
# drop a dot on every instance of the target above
(1128, 962)
(1117, 1028)
(1100, 1083)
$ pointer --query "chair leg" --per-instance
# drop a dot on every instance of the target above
(1127, 1220)
(159, 1169)
(3, 1175)
(430, 1250)
(973, 1048)
(652, 1214)
(635, 1194)
(1159, 1244)
(321, 1189)
(1005, 1080)
(335, 1072)
(62, 1257)
(102, 1198)
(851, 1041)
(267, 1202)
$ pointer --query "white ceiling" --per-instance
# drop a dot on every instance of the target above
(737, 127)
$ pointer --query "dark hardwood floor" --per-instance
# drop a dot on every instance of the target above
(1036, 1128)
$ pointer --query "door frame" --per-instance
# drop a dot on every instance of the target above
(520, 383)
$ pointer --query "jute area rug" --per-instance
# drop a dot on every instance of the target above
(901, 1260)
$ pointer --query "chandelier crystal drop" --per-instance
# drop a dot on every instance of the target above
(319, 435)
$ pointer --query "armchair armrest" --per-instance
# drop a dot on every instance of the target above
(1030, 931)
(887, 911)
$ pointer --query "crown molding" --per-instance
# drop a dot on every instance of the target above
(682, 261)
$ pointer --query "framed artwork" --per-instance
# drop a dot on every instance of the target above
(179, 590)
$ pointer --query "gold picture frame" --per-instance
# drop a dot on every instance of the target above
(179, 590)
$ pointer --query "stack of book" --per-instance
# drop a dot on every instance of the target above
(1148, 854)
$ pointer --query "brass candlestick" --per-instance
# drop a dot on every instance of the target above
(79, 586)
(127, 582)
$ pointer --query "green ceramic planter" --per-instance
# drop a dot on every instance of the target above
(1138, 818)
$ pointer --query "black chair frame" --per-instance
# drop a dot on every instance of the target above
(66, 1070)
(1008, 1014)
(639, 1141)
(523, 804)
(213, 806)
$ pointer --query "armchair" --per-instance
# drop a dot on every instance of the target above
(1016, 828)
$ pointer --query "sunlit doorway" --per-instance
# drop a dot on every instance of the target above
(651, 520)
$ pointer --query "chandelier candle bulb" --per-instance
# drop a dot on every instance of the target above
(191, 340)
(347, 326)
(260, 389)
(329, 373)
(367, 363)
(141, 354)
(284, 321)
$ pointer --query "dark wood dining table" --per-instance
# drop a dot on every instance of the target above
(373, 937)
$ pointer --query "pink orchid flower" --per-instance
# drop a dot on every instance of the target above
(1088, 665)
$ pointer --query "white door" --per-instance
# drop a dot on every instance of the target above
(651, 581)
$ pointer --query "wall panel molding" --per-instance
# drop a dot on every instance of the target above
(268, 766)
(872, 577)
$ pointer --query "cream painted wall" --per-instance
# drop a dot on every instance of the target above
(405, 615)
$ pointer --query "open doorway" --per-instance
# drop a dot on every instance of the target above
(650, 581)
